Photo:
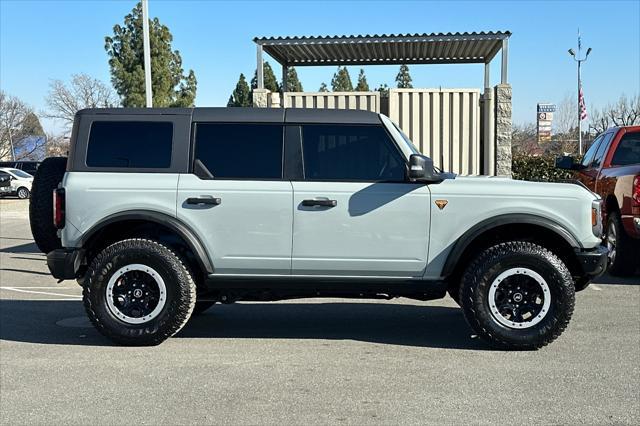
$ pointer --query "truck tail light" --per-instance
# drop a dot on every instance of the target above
(58, 208)
(635, 194)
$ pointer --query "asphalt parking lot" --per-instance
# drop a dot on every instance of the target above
(314, 361)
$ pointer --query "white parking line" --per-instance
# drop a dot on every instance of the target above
(42, 288)
(21, 290)
(595, 287)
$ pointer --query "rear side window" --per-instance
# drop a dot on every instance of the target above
(130, 144)
(350, 153)
(240, 151)
(628, 150)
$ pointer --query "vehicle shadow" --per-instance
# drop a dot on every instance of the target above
(34, 321)
(22, 248)
(609, 279)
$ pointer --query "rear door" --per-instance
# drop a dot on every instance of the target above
(355, 214)
(236, 199)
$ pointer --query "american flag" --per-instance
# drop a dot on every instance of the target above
(583, 107)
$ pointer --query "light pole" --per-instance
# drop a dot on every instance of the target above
(147, 53)
(576, 57)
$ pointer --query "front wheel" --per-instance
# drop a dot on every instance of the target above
(621, 251)
(138, 292)
(23, 193)
(517, 295)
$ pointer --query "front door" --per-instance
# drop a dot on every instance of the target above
(236, 198)
(355, 214)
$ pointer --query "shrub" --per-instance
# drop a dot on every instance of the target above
(540, 168)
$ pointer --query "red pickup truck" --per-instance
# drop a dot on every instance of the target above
(611, 168)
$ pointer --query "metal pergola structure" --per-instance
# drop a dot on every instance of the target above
(435, 48)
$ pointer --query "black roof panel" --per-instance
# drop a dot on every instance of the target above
(250, 115)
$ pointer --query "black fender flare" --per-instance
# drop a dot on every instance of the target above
(467, 238)
(177, 226)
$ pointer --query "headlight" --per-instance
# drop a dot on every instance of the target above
(596, 218)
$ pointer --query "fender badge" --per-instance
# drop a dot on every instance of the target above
(441, 204)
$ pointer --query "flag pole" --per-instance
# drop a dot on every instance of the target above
(580, 150)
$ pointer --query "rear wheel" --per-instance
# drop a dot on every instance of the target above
(47, 178)
(517, 295)
(621, 250)
(138, 292)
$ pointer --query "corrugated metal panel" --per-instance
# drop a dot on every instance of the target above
(477, 47)
(444, 124)
(369, 101)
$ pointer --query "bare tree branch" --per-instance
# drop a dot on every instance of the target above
(82, 92)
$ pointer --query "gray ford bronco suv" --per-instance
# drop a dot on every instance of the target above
(161, 213)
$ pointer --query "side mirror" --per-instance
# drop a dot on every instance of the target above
(421, 169)
(567, 162)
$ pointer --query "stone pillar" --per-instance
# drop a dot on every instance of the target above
(503, 129)
(261, 98)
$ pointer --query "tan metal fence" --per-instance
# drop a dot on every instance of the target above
(369, 101)
(444, 124)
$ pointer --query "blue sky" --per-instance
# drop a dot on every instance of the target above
(43, 40)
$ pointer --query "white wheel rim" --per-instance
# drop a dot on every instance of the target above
(535, 319)
(162, 290)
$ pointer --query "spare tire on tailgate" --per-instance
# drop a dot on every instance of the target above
(47, 178)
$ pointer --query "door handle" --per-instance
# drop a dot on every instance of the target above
(322, 202)
(204, 200)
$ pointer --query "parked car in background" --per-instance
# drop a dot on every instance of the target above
(611, 168)
(26, 166)
(20, 182)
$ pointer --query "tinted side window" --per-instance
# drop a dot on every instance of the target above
(591, 152)
(240, 151)
(341, 152)
(628, 150)
(602, 150)
(130, 144)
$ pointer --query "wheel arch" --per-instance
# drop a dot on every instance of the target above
(115, 225)
(505, 227)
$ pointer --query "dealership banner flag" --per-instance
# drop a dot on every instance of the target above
(583, 107)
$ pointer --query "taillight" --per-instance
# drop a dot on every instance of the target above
(636, 191)
(58, 208)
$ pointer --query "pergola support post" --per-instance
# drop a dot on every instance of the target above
(505, 61)
(285, 71)
(259, 66)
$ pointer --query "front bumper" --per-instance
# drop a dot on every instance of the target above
(64, 264)
(593, 261)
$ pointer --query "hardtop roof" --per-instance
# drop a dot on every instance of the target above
(249, 115)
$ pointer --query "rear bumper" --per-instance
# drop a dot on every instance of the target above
(593, 261)
(64, 264)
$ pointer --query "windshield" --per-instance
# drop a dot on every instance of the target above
(406, 139)
(20, 173)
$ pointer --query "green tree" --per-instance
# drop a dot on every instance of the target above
(293, 84)
(403, 79)
(241, 96)
(169, 85)
(362, 85)
(323, 87)
(341, 81)
(384, 90)
(270, 80)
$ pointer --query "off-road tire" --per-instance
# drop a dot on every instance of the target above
(22, 193)
(626, 259)
(180, 289)
(479, 276)
(47, 178)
